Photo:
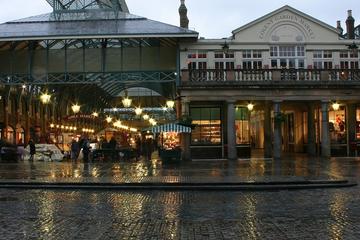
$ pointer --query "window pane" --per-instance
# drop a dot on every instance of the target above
(219, 55)
(317, 54)
(327, 54)
(344, 54)
(208, 126)
(337, 126)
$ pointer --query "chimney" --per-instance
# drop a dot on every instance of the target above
(184, 21)
(350, 25)
(339, 28)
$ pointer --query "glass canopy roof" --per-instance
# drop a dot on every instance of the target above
(66, 5)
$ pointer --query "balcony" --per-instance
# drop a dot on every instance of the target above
(276, 77)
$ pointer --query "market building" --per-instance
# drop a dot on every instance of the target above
(60, 71)
(285, 82)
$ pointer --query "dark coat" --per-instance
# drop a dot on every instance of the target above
(32, 148)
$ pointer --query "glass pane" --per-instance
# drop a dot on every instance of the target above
(358, 124)
(241, 114)
(215, 114)
(337, 126)
(242, 132)
(195, 113)
(207, 126)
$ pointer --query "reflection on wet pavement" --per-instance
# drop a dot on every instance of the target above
(155, 171)
(305, 214)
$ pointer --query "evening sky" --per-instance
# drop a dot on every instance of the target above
(211, 18)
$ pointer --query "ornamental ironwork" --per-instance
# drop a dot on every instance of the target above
(65, 5)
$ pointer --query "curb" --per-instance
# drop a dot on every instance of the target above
(240, 186)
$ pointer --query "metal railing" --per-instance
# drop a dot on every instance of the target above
(270, 75)
(89, 78)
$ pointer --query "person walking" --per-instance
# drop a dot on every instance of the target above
(75, 149)
(148, 148)
(112, 145)
(20, 150)
(86, 150)
(32, 150)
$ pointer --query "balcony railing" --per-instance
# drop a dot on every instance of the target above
(270, 75)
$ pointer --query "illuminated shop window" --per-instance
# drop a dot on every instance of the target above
(337, 126)
(358, 124)
(207, 126)
(242, 125)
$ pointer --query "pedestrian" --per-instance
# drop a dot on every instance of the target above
(32, 150)
(138, 147)
(20, 150)
(86, 150)
(148, 148)
(74, 150)
(112, 144)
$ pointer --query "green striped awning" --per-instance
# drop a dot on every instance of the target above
(171, 127)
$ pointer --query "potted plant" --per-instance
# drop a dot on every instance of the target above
(280, 117)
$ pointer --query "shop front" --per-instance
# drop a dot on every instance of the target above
(207, 139)
(242, 128)
(169, 141)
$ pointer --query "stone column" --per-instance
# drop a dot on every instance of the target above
(267, 131)
(311, 146)
(325, 135)
(351, 127)
(27, 127)
(6, 118)
(185, 138)
(277, 131)
(231, 134)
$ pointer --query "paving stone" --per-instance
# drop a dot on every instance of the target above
(304, 214)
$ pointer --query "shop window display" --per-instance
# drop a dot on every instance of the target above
(337, 126)
(208, 126)
(358, 124)
(242, 126)
(170, 140)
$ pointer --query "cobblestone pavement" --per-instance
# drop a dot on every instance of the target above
(315, 214)
(305, 214)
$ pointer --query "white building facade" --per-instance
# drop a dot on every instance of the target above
(284, 83)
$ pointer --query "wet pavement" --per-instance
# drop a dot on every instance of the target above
(297, 168)
(304, 214)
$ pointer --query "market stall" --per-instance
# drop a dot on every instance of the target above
(169, 138)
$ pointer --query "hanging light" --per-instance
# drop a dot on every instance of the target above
(170, 103)
(250, 106)
(152, 121)
(138, 111)
(126, 102)
(109, 119)
(146, 117)
(75, 108)
(164, 109)
(45, 98)
(95, 114)
(335, 106)
(117, 123)
(52, 125)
